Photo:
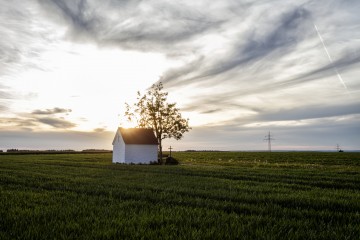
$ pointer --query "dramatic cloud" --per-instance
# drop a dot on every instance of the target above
(236, 68)
(147, 26)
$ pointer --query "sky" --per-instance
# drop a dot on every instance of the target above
(236, 68)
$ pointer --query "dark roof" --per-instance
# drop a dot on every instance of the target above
(138, 136)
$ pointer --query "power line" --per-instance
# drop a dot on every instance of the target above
(268, 138)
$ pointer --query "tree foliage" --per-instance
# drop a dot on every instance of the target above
(153, 111)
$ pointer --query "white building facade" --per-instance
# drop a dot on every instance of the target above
(135, 145)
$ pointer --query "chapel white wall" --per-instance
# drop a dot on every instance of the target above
(140, 153)
(118, 149)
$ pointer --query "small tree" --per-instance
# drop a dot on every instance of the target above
(153, 111)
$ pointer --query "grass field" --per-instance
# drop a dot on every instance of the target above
(210, 195)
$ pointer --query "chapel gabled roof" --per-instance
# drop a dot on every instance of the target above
(138, 136)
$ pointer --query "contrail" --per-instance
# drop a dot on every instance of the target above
(330, 59)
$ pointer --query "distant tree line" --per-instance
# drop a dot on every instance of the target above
(204, 151)
(12, 150)
(52, 151)
(96, 150)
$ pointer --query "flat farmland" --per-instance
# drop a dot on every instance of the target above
(210, 195)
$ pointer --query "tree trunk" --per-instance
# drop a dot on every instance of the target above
(160, 152)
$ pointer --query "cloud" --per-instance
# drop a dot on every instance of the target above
(312, 112)
(34, 123)
(277, 65)
(287, 31)
(177, 29)
(51, 111)
(140, 25)
(99, 130)
(249, 46)
(24, 36)
(51, 119)
(3, 108)
(272, 40)
(23, 123)
(240, 60)
(57, 122)
(320, 134)
(344, 63)
(5, 95)
(37, 118)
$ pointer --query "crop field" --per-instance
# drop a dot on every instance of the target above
(210, 195)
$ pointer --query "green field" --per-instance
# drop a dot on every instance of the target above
(210, 195)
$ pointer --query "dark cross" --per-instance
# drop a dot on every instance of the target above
(170, 150)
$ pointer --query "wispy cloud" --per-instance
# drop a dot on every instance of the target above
(51, 111)
(312, 112)
(147, 26)
(24, 36)
(36, 120)
(52, 117)
(56, 122)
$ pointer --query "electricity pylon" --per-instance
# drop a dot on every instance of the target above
(338, 148)
(268, 138)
